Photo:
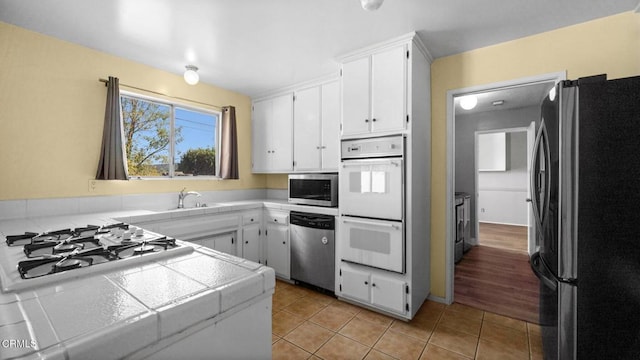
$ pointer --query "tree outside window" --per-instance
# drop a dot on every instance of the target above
(166, 140)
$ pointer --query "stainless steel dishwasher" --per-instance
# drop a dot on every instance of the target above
(313, 249)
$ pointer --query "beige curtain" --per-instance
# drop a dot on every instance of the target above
(229, 144)
(113, 161)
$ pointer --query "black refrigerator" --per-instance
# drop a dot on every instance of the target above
(586, 200)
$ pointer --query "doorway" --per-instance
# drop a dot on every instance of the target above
(461, 151)
(502, 158)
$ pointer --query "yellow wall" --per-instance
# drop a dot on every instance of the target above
(609, 45)
(51, 118)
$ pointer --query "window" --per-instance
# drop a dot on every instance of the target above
(168, 140)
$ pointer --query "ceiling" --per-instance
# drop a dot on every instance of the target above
(253, 46)
(512, 97)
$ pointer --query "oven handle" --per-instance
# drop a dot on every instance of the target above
(367, 162)
(372, 223)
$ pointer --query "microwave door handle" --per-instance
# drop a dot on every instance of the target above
(363, 222)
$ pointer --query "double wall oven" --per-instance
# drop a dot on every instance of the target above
(372, 202)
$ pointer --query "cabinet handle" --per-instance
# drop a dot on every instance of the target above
(366, 283)
(232, 240)
(374, 119)
(318, 147)
(275, 220)
(246, 242)
(284, 243)
(251, 219)
(366, 120)
(373, 284)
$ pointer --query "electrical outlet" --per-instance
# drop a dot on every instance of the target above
(481, 209)
(92, 185)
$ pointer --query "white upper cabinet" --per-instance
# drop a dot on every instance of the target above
(272, 136)
(316, 128)
(330, 114)
(356, 76)
(307, 138)
(374, 92)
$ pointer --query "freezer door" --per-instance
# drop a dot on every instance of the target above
(558, 313)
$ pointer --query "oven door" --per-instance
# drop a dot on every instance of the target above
(376, 243)
(372, 188)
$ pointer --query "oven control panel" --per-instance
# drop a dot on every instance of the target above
(388, 146)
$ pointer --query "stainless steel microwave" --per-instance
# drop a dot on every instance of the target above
(314, 189)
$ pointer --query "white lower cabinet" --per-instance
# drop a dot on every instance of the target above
(278, 247)
(373, 288)
(225, 243)
(251, 243)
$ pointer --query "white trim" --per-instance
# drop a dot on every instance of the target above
(450, 183)
(403, 39)
(290, 89)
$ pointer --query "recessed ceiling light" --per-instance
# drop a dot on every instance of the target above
(497, 102)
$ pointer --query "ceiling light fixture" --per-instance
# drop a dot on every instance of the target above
(190, 75)
(497, 102)
(371, 5)
(468, 102)
(552, 93)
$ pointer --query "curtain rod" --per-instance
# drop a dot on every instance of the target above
(106, 81)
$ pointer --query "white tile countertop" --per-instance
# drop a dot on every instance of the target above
(117, 312)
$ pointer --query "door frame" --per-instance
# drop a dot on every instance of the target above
(450, 183)
(530, 132)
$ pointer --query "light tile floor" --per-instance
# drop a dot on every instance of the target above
(311, 325)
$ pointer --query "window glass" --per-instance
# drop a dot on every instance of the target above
(195, 135)
(163, 140)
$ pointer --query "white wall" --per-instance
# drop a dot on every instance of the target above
(502, 194)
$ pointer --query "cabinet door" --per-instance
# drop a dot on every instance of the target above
(330, 111)
(355, 97)
(261, 114)
(388, 90)
(278, 249)
(388, 293)
(355, 284)
(280, 134)
(306, 129)
(226, 243)
(251, 243)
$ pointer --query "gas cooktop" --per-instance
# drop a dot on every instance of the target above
(33, 259)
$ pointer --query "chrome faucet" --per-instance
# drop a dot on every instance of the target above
(183, 195)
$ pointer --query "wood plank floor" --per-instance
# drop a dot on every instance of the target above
(508, 237)
(497, 280)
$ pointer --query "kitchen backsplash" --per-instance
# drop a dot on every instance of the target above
(29, 208)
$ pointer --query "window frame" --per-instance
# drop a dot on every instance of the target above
(172, 106)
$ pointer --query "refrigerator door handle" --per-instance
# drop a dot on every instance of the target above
(547, 159)
(541, 271)
(534, 183)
